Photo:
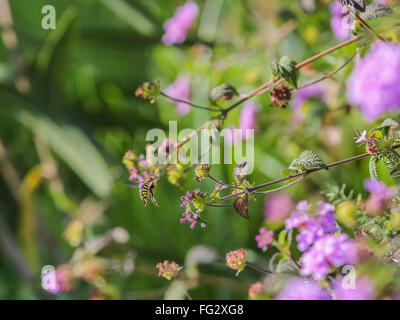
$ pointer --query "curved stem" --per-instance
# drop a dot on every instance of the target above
(189, 103)
(225, 184)
(283, 187)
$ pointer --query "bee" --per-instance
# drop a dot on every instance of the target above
(147, 188)
(356, 4)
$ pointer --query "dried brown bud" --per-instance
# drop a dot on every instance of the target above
(280, 96)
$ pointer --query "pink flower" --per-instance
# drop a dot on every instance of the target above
(278, 207)
(303, 289)
(264, 239)
(364, 289)
(363, 138)
(248, 118)
(177, 27)
(255, 290)
(236, 260)
(180, 89)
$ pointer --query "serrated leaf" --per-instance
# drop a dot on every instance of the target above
(307, 160)
(286, 69)
(372, 169)
(388, 123)
(375, 11)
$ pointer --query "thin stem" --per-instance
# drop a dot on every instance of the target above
(266, 86)
(283, 187)
(189, 103)
(331, 74)
(257, 268)
(225, 184)
(305, 173)
(219, 205)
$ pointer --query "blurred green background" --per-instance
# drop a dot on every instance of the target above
(68, 114)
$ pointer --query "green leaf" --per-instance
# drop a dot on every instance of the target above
(286, 69)
(372, 169)
(131, 16)
(226, 91)
(375, 11)
(307, 160)
(388, 124)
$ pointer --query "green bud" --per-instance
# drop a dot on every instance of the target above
(202, 171)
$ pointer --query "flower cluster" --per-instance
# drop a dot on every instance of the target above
(264, 239)
(380, 198)
(312, 227)
(177, 27)
(168, 269)
(303, 289)
(194, 203)
(236, 260)
(202, 171)
(278, 207)
(328, 250)
(373, 85)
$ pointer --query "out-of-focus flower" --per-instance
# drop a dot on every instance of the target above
(248, 118)
(303, 289)
(168, 269)
(347, 213)
(328, 250)
(380, 198)
(64, 281)
(338, 19)
(255, 290)
(304, 94)
(232, 135)
(236, 260)
(91, 268)
(373, 85)
(312, 227)
(264, 239)
(177, 27)
(364, 289)
(74, 232)
(180, 89)
(331, 135)
(278, 207)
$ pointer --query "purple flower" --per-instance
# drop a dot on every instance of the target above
(304, 94)
(312, 227)
(328, 250)
(248, 118)
(180, 89)
(380, 197)
(364, 289)
(374, 83)
(303, 289)
(190, 217)
(278, 207)
(338, 20)
(177, 27)
(264, 239)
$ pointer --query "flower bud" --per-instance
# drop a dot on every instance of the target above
(255, 290)
(236, 260)
(202, 171)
